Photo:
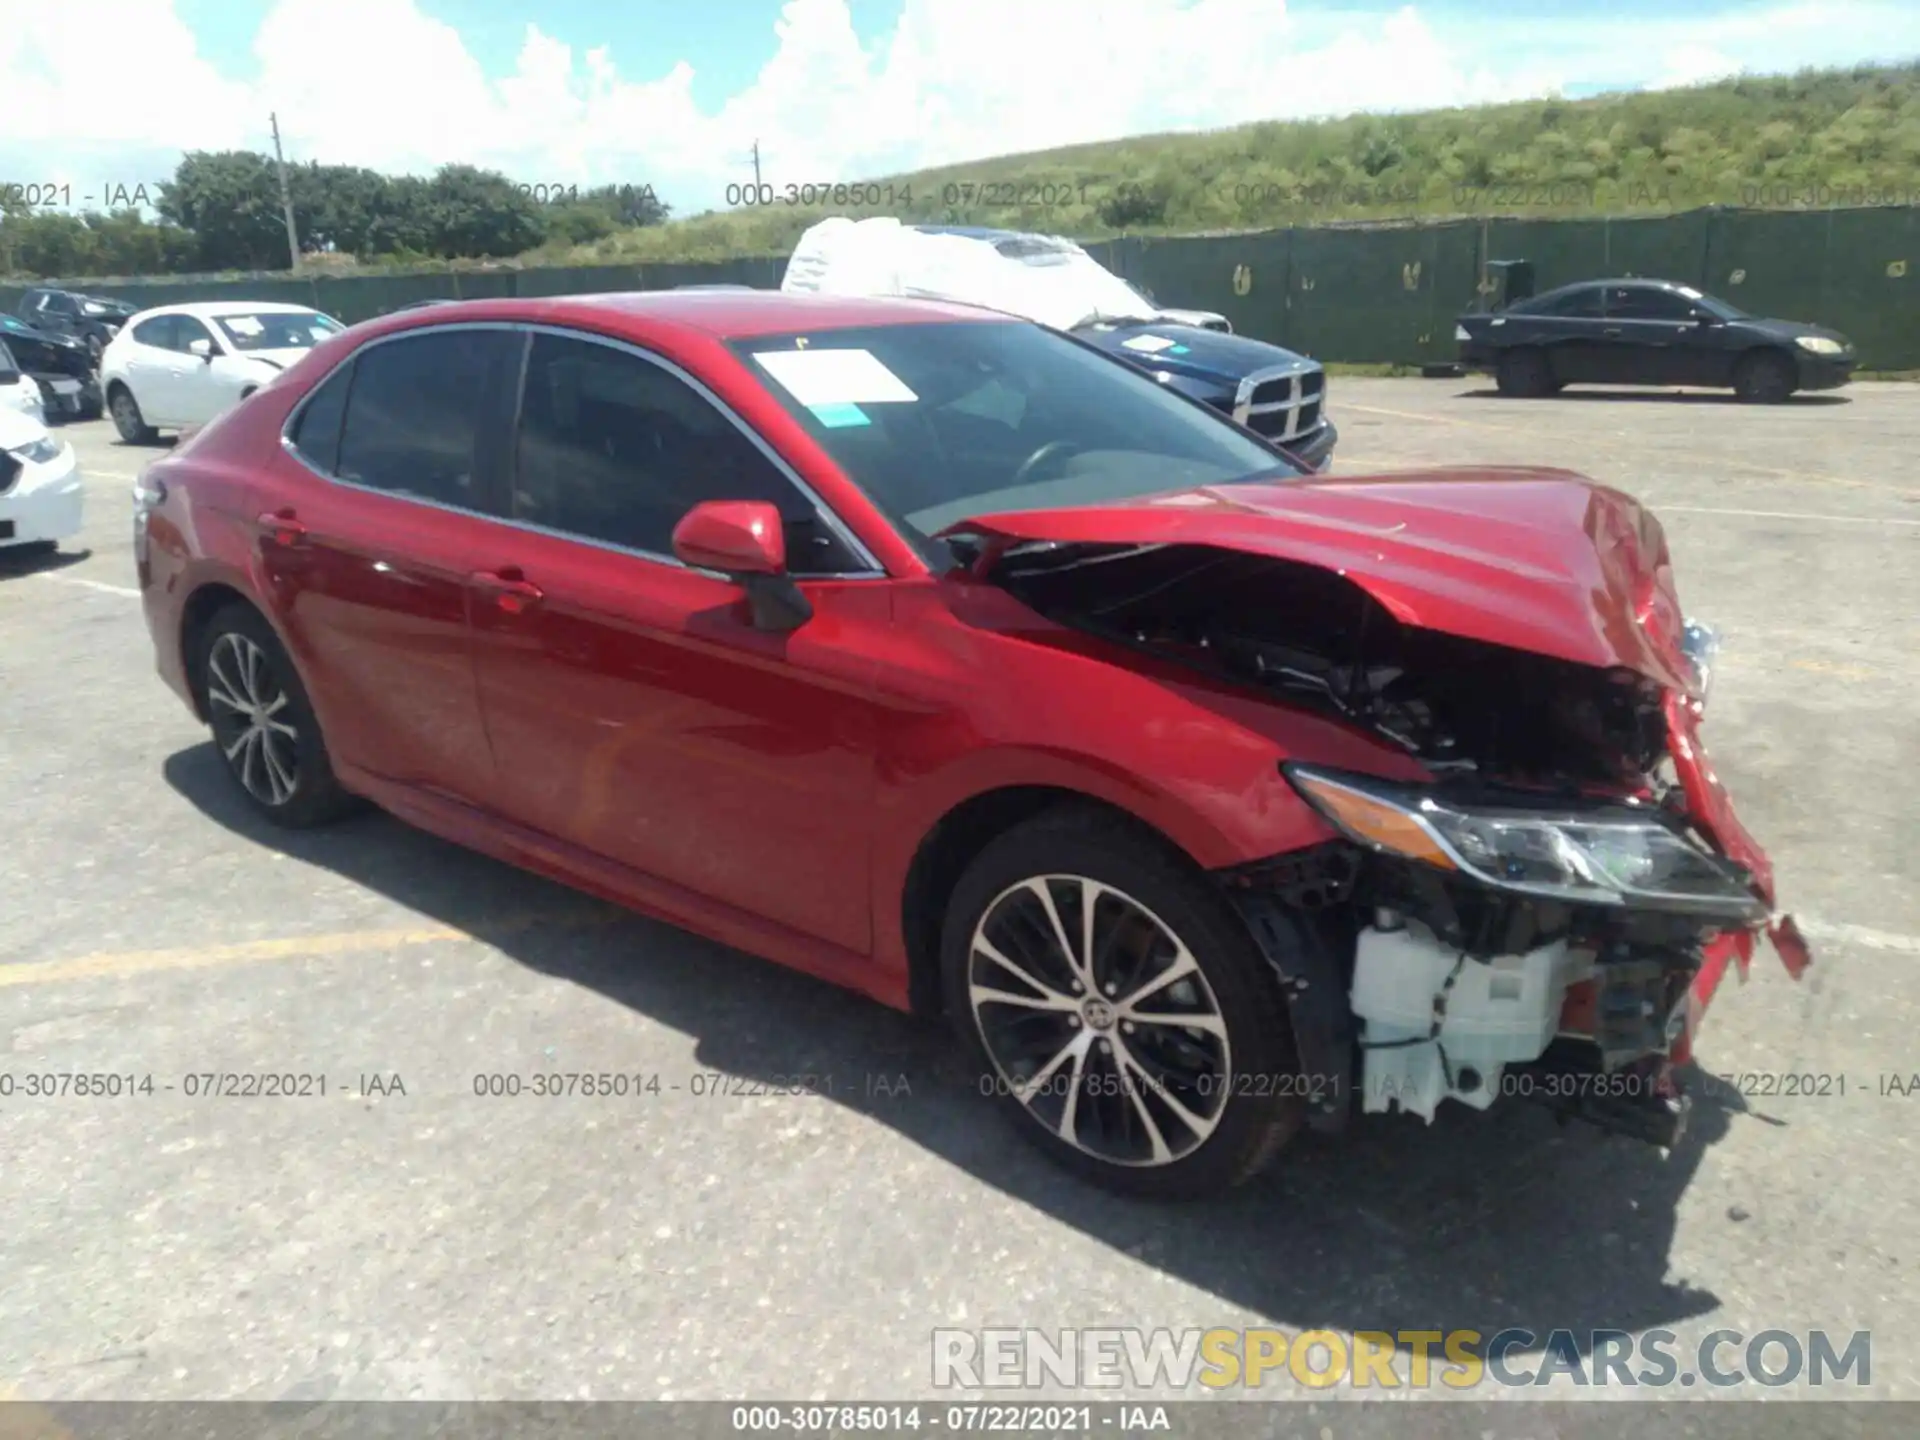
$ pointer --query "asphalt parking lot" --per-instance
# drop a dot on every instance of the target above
(403, 1237)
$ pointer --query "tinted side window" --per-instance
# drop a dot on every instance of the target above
(186, 330)
(415, 413)
(617, 449)
(1635, 303)
(157, 332)
(316, 434)
(1580, 304)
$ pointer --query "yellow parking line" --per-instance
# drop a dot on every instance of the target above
(1436, 419)
(119, 964)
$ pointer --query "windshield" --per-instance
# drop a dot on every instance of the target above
(277, 329)
(938, 422)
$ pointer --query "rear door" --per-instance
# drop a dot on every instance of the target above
(370, 525)
(1568, 329)
(635, 710)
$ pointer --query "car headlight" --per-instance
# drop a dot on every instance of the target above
(39, 451)
(1606, 856)
(1701, 645)
(1819, 344)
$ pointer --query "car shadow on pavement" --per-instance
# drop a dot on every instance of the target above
(1479, 1221)
(1655, 396)
(16, 562)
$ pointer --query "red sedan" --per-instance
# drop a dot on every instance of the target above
(944, 657)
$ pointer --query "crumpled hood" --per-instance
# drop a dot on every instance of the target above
(1210, 356)
(284, 359)
(1534, 559)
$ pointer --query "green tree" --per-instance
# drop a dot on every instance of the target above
(230, 200)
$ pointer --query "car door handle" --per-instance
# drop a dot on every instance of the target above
(511, 591)
(284, 526)
(1611, 330)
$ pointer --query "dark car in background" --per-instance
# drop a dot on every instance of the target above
(93, 320)
(60, 365)
(1649, 332)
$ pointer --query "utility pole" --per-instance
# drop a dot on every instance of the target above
(286, 200)
(756, 167)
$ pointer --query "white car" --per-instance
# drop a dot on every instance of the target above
(178, 366)
(19, 392)
(40, 491)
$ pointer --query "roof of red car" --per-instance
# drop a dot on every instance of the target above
(725, 314)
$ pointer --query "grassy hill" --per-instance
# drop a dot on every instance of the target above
(1811, 140)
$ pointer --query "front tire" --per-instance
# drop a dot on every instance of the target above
(127, 418)
(1765, 378)
(263, 724)
(1118, 1009)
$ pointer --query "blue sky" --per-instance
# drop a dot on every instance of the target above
(673, 92)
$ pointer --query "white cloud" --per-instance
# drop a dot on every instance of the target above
(953, 80)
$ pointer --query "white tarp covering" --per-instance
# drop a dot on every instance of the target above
(1049, 280)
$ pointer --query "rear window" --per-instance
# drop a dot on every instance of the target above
(316, 431)
(415, 412)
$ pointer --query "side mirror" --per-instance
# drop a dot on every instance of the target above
(1703, 318)
(746, 541)
(202, 348)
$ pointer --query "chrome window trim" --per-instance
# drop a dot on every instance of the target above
(875, 570)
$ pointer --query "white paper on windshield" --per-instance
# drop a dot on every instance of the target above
(244, 325)
(1149, 344)
(319, 332)
(834, 377)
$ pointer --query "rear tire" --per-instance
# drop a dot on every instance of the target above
(1765, 377)
(1104, 1078)
(127, 418)
(1526, 372)
(262, 722)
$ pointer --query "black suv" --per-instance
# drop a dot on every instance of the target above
(93, 320)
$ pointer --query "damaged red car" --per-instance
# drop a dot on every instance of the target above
(943, 656)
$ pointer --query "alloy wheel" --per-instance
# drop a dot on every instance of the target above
(1099, 1020)
(249, 709)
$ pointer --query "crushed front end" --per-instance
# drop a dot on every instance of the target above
(1547, 915)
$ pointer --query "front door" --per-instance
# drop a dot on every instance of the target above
(634, 709)
(368, 532)
(1649, 333)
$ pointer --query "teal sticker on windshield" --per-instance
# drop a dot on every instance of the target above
(1177, 350)
(839, 416)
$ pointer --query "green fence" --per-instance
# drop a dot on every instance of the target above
(1356, 293)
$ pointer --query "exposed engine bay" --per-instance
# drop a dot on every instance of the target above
(1315, 638)
(1531, 923)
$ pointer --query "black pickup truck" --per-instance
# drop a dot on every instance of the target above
(93, 320)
